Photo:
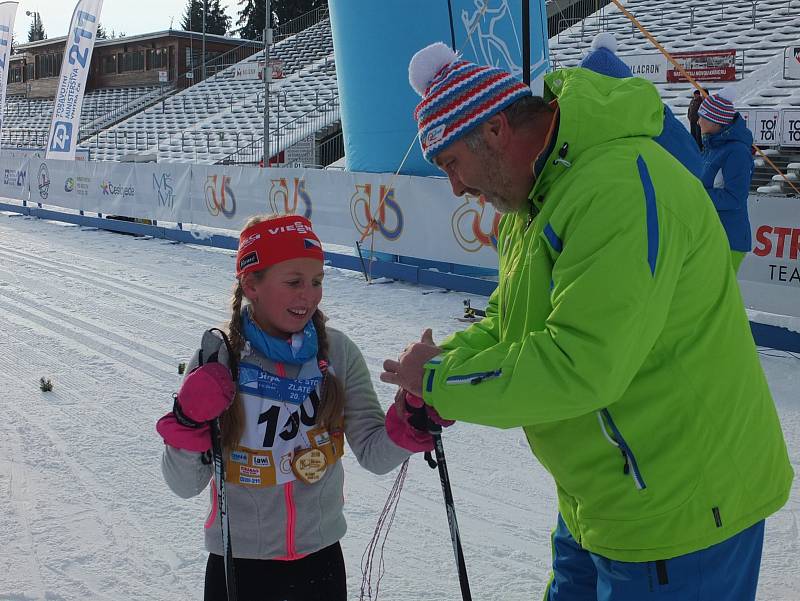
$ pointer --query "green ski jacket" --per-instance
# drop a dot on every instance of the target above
(617, 338)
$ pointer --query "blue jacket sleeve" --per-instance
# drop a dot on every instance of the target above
(737, 172)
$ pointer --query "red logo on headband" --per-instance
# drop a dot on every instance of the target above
(274, 241)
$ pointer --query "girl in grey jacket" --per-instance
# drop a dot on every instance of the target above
(301, 389)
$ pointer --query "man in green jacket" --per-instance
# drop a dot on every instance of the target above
(617, 337)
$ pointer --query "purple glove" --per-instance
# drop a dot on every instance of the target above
(204, 395)
(399, 420)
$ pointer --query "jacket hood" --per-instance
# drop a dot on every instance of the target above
(735, 132)
(595, 109)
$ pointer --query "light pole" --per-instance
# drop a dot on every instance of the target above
(205, 10)
(267, 79)
(36, 20)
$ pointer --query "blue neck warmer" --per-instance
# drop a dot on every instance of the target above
(302, 346)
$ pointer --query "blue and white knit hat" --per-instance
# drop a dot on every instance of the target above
(457, 95)
(718, 108)
(603, 59)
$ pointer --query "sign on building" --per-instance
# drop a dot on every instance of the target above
(652, 67)
(766, 127)
(301, 153)
(790, 127)
(709, 65)
(791, 62)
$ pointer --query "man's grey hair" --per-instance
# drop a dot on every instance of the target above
(519, 114)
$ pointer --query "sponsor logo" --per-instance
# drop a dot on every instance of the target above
(43, 181)
(162, 186)
(220, 197)
(109, 189)
(435, 135)
(250, 240)
(249, 480)
(388, 221)
(298, 226)
(62, 137)
(261, 461)
(14, 177)
(321, 439)
(250, 471)
(239, 457)
(247, 260)
(286, 198)
(69, 184)
(475, 224)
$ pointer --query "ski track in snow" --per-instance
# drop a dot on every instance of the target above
(87, 515)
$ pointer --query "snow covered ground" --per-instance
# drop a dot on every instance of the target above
(86, 515)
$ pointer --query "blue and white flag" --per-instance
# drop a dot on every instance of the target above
(63, 138)
(8, 12)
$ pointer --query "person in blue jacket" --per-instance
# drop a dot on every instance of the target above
(674, 138)
(728, 168)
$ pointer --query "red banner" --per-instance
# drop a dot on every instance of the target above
(711, 65)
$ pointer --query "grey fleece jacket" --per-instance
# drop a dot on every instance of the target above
(295, 519)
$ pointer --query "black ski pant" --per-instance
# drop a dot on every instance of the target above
(316, 577)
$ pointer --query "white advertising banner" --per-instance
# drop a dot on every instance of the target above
(790, 127)
(8, 12)
(247, 71)
(14, 178)
(419, 216)
(766, 126)
(63, 137)
(652, 67)
(770, 275)
(791, 62)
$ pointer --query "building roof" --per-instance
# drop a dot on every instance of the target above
(142, 37)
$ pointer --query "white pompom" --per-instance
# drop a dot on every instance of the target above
(605, 40)
(426, 63)
(730, 94)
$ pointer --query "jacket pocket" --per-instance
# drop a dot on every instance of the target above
(614, 436)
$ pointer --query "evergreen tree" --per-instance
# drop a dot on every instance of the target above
(36, 31)
(286, 10)
(101, 32)
(251, 19)
(217, 20)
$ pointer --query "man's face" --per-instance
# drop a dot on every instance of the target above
(479, 172)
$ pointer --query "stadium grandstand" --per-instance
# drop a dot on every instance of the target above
(152, 96)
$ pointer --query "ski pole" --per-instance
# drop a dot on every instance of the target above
(222, 507)
(219, 476)
(455, 537)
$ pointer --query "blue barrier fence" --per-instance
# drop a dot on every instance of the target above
(764, 335)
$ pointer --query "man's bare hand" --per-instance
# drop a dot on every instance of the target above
(408, 370)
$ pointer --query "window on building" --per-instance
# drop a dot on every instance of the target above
(131, 61)
(29, 71)
(158, 58)
(48, 65)
(108, 64)
(15, 74)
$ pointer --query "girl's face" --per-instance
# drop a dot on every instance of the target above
(284, 299)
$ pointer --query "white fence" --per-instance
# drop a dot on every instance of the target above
(420, 217)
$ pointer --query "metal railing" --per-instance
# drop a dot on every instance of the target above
(298, 24)
(125, 109)
(299, 128)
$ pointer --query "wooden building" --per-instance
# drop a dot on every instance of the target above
(172, 57)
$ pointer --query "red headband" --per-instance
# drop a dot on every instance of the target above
(274, 241)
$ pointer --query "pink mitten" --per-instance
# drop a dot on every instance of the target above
(405, 435)
(414, 401)
(204, 395)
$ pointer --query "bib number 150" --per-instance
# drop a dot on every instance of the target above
(76, 54)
